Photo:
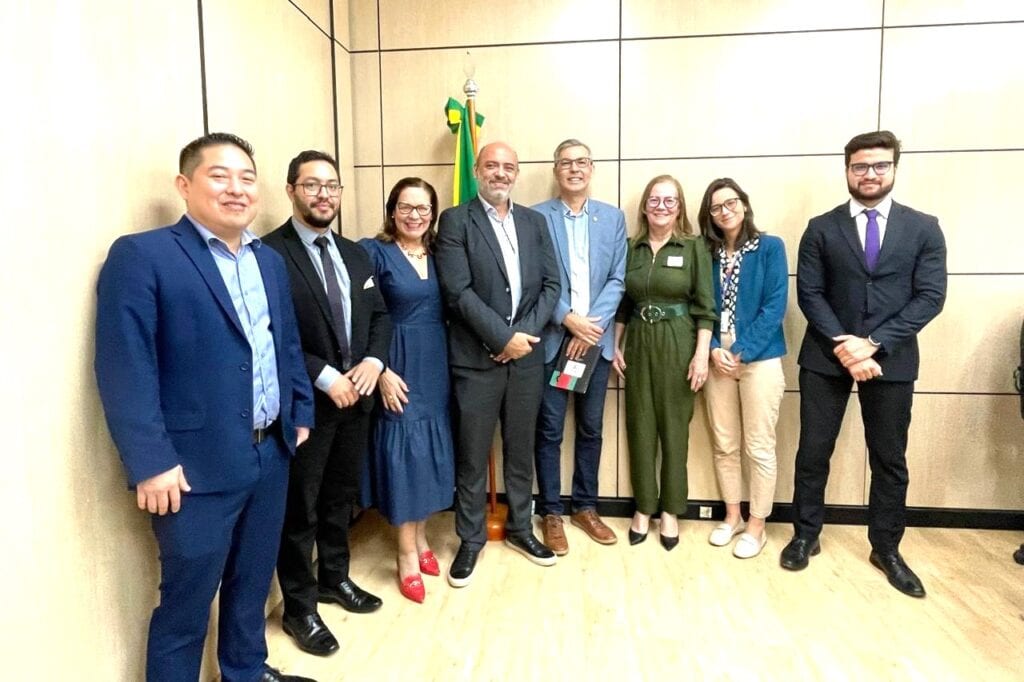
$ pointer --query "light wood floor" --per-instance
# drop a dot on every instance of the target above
(696, 613)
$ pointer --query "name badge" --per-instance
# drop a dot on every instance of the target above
(674, 261)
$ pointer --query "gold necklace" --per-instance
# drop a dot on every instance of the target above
(419, 255)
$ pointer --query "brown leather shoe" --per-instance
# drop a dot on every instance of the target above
(554, 534)
(590, 523)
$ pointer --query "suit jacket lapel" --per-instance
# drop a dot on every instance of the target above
(199, 253)
(848, 226)
(595, 252)
(273, 293)
(561, 238)
(479, 218)
(300, 256)
(893, 234)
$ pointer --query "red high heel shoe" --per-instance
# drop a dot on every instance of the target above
(428, 563)
(412, 587)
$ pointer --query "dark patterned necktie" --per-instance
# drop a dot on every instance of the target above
(334, 300)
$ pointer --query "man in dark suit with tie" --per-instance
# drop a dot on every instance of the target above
(498, 275)
(871, 274)
(201, 377)
(345, 332)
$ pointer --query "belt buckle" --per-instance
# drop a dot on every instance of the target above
(652, 313)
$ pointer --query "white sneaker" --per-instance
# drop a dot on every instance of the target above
(723, 533)
(748, 547)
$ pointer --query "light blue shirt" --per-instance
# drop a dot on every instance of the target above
(241, 275)
(505, 232)
(578, 238)
(328, 375)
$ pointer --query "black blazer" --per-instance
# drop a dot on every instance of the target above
(371, 326)
(475, 285)
(892, 304)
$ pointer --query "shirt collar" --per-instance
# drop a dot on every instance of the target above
(883, 207)
(307, 234)
(248, 236)
(490, 210)
(567, 213)
(673, 239)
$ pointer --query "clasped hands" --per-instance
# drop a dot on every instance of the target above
(726, 364)
(359, 381)
(856, 353)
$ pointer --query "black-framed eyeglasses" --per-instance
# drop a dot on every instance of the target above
(311, 188)
(582, 163)
(668, 202)
(880, 168)
(731, 204)
(422, 210)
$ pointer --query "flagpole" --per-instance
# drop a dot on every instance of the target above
(471, 89)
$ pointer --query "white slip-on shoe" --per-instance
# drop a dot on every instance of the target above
(723, 533)
(748, 547)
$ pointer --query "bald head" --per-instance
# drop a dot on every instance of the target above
(496, 170)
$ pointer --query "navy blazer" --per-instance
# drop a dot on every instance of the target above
(475, 285)
(891, 304)
(174, 367)
(607, 271)
(760, 302)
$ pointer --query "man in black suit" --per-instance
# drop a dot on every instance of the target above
(871, 274)
(499, 278)
(345, 332)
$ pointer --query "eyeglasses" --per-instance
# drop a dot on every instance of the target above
(668, 202)
(311, 188)
(731, 204)
(880, 168)
(405, 209)
(582, 163)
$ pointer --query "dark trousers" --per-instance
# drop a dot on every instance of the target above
(324, 486)
(589, 415)
(885, 408)
(511, 394)
(227, 540)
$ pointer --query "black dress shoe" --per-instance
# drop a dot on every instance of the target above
(636, 538)
(461, 570)
(310, 634)
(1018, 556)
(797, 554)
(533, 549)
(273, 675)
(350, 596)
(899, 574)
(668, 542)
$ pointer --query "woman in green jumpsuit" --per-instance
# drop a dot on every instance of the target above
(662, 338)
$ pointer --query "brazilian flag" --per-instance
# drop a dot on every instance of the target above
(464, 185)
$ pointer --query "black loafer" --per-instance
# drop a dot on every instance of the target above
(533, 549)
(274, 675)
(899, 574)
(310, 634)
(350, 597)
(797, 554)
(461, 570)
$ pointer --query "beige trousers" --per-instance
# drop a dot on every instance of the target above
(742, 414)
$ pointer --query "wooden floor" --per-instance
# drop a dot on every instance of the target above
(696, 613)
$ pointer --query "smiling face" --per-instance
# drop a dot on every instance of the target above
(573, 169)
(871, 188)
(662, 207)
(414, 202)
(730, 209)
(221, 193)
(496, 171)
(318, 210)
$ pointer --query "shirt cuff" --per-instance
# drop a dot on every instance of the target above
(375, 361)
(328, 375)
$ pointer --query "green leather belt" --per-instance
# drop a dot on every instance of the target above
(654, 312)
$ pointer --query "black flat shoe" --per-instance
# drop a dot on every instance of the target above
(669, 543)
(310, 634)
(636, 538)
(350, 597)
(899, 574)
(797, 554)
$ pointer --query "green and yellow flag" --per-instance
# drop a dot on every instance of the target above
(464, 182)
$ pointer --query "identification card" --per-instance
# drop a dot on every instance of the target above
(674, 261)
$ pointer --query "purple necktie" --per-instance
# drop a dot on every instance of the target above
(872, 242)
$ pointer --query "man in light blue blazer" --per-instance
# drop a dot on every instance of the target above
(590, 246)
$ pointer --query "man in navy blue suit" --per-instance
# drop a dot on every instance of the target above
(206, 396)
(871, 273)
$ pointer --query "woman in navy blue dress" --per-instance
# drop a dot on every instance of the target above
(412, 463)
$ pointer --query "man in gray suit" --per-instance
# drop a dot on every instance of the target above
(498, 276)
(590, 245)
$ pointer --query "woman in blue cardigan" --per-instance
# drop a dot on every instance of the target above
(745, 388)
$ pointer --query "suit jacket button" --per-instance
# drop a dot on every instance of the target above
(244, 367)
(244, 413)
(507, 290)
